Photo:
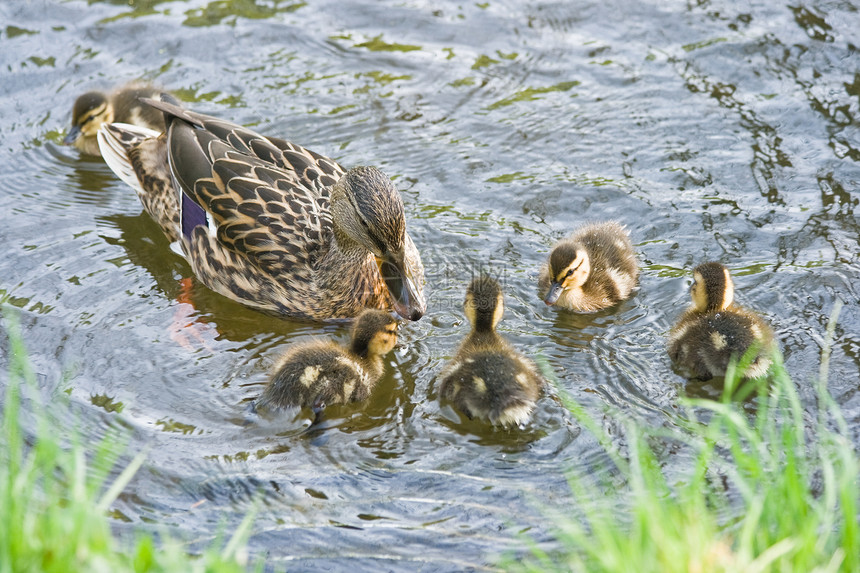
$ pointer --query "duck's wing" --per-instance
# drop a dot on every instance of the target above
(267, 197)
(301, 167)
(266, 203)
(249, 206)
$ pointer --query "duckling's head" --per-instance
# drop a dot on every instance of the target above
(91, 111)
(374, 333)
(569, 267)
(484, 304)
(712, 289)
(368, 210)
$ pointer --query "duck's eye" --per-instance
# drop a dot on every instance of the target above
(569, 273)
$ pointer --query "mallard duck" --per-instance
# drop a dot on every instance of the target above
(714, 329)
(269, 223)
(592, 269)
(94, 109)
(488, 379)
(321, 373)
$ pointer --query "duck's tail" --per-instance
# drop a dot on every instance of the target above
(515, 411)
(116, 140)
(138, 156)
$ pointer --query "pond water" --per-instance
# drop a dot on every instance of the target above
(714, 130)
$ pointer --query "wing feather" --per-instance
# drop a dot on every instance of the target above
(275, 217)
(267, 199)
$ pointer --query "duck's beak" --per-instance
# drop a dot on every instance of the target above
(409, 302)
(72, 136)
(553, 294)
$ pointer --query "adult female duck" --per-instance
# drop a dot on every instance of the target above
(269, 223)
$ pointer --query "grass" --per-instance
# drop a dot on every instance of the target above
(54, 498)
(769, 488)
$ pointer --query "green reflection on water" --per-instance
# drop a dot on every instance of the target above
(22, 302)
(15, 31)
(483, 61)
(665, 271)
(703, 44)
(530, 94)
(467, 81)
(228, 11)
(383, 78)
(42, 62)
(752, 269)
(107, 403)
(377, 44)
(171, 425)
(509, 177)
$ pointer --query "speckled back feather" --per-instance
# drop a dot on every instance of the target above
(488, 379)
(315, 373)
(268, 202)
(320, 373)
(713, 330)
(703, 344)
(492, 383)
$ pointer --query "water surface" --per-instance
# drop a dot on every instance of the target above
(714, 130)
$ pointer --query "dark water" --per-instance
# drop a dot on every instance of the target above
(714, 130)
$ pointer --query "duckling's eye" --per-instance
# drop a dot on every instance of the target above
(569, 273)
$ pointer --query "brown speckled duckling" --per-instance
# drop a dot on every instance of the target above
(714, 329)
(488, 379)
(321, 373)
(94, 109)
(592, 269)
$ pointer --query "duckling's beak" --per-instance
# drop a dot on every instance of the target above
(72, 136)
(408, 300)
(553, 294)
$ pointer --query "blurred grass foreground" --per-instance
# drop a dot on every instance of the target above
(55, 494)
(770, 487)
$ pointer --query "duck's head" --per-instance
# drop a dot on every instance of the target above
(484, 304)
(712, 288)
(569, 267)
(91, 111)
(374, 333)
(368, 209)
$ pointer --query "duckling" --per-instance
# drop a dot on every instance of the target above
(592, 269)
(714, 329)
(488, 379)
(93, 109)
(268, 223)
(321, 373)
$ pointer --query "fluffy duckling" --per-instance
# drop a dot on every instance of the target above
(94, 109)
(321, 373)
(592, 269)
(714, 329)
(488, 379)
